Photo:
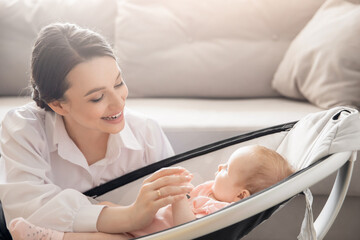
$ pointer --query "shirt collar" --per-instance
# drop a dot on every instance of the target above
(59, 139)
(123, 140)
(127, 137)
(50, 126)
(55, 129)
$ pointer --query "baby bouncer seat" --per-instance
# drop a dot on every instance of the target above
(316, 146)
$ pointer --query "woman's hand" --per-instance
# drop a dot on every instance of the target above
(109, 204)
(163, 187)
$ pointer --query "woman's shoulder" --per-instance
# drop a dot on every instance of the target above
(29, 110)
(24, 117)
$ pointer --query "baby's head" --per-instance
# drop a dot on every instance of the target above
(249, 170)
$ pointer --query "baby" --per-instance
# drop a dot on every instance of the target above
(249, 170)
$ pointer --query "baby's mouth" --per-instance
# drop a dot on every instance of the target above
(112, 117)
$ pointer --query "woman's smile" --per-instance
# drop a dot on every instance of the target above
(117, 118)
(113, 117)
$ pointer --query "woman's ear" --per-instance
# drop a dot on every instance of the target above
(57, 106)
(242, 194)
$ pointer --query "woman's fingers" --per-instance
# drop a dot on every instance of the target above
(168, 182)
(165, 186)
(172, 191)
(160, 189)
(165, 172)
(162, 202)
(173, 180)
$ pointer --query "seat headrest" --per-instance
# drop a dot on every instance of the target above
(320, 134)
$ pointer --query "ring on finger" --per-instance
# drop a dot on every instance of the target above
(158, 193)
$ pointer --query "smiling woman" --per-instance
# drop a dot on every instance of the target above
(57, 51)
(95, 101)
(89, 91)
(80, 127)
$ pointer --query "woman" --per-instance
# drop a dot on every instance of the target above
(78, 135)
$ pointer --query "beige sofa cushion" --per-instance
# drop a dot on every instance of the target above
(191, 123)
(20, 21)
(206, 48)
(322, 64)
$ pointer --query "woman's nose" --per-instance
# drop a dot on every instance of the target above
(117, 101)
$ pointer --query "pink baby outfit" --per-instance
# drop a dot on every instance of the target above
(200, 203)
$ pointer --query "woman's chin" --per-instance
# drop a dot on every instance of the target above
(117, 128)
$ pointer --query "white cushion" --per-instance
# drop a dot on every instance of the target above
(322, 64)
(206, 48)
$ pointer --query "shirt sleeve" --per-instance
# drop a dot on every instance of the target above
(25, 188)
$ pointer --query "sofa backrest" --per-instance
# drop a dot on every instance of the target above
(206, 48)
(166, 48)
(21, 20)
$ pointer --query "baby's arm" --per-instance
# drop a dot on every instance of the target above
(182, 212)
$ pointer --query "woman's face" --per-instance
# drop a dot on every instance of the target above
(96, 97)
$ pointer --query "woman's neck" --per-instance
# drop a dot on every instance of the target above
(93, 144)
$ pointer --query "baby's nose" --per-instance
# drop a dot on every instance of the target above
(221, 166)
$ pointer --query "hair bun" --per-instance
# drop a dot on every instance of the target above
(37, 98)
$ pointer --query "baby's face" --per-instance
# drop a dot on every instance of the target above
(231, 177)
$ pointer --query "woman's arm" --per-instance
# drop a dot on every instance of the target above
(27, 186)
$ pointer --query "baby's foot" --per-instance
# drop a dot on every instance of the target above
(21, 229)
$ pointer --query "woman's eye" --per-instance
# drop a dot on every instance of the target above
(97, 99)
(118, 85)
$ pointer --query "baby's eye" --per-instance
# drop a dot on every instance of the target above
(97, 99)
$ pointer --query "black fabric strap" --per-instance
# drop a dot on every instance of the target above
(4, 232)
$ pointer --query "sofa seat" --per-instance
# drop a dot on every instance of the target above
(191, 123)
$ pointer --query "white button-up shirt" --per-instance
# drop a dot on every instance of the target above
(43, 173)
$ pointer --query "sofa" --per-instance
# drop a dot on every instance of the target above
(208, 70)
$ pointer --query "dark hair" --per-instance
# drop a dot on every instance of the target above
(57, 50)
